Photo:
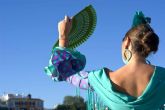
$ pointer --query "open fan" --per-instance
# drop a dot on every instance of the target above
(83, 25)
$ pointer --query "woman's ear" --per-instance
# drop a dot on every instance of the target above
(127, 43)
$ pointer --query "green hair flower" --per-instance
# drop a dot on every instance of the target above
(139, 18)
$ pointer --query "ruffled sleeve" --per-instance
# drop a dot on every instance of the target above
(64, 63)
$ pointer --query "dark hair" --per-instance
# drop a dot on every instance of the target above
(143, 39)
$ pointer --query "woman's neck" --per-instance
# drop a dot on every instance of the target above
(137, 60)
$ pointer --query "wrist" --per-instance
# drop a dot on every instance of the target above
(63, 42)
(63, 37)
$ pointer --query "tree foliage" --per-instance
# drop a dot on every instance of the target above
(72, 103)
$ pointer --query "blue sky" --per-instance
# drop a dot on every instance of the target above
(28, 30)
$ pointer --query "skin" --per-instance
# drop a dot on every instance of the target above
(131, 79)
(64, 27)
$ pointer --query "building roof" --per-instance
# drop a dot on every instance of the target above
(26, 99)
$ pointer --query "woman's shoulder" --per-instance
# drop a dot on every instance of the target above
(160, 70)
(99, 77)
(160, 67)
(100, 73)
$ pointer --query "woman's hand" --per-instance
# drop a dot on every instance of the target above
(64, 28)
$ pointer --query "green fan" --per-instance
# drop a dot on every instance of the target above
(83, 25)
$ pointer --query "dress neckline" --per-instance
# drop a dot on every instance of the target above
(117, 92)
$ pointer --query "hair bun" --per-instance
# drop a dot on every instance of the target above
(150, 42)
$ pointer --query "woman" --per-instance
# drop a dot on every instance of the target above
(136, 86)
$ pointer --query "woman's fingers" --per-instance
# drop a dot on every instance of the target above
(67, 19)
(64, 27)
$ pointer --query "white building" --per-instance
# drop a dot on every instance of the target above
(20, 102)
